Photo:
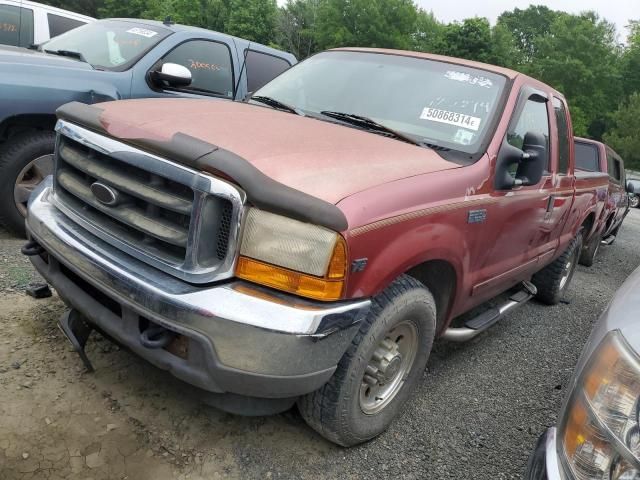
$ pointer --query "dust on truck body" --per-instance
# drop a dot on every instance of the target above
(311, 244)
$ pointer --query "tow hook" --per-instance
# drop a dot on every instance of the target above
(156, 336)
(32, 248)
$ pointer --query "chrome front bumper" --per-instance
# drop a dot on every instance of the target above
(242, 339)
(543, 462)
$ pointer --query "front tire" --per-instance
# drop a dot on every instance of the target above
(553, 280)
(379, 370)
(25, 160)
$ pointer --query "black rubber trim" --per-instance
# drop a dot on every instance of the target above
(262, 191)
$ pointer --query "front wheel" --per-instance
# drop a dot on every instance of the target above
(25, 160)
(380, 369)
(553, 280)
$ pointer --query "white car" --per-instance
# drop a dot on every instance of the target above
(24, 23)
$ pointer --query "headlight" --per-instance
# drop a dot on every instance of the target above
(293, 256)
(601, 433)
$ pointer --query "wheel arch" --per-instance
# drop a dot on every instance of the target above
(21, 123)
(440, 277)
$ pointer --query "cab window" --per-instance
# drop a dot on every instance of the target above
(614, 167)
(534, 118)
(210, 66)
(59, 25)
(564, 150)
(16, 26)
(262, 68)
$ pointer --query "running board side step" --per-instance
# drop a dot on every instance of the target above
(475, 326)
(609, 240)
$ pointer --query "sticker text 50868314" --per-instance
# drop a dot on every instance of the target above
(451, 118)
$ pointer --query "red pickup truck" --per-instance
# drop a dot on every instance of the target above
(595, 160)
(311, 244)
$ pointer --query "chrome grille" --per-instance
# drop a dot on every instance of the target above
(179, 220)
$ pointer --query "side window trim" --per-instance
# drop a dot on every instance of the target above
(159, 62)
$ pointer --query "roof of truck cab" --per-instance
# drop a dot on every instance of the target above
(507, 72)
(587, 140)
(177, 27)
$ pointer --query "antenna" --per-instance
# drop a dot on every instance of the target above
(246, 52)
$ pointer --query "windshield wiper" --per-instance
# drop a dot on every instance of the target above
(370, 124)
(272, 102)
(68, 53)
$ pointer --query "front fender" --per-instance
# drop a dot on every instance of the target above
(43, 92)
(393, 250)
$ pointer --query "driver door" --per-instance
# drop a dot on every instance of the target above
(523, 230)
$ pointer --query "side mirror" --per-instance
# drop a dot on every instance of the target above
(172, 73)
(529, 162)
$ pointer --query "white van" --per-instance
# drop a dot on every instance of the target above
(24, 23)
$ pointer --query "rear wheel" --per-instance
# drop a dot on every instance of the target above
(589, 251)
(634, 201)
(380, 369)
(25, 160)
(553, 280)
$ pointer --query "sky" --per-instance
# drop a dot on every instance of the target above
(616, 11)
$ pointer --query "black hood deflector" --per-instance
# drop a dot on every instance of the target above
(262, 191)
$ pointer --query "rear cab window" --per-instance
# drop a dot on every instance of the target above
(614, 167)
(587, 157)
(564, 139)
(262, 68)
(59, 24)
(16, 26)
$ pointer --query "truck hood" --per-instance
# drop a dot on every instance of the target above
(323, 159)
(16, 57)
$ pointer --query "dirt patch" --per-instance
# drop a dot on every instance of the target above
(127, 420)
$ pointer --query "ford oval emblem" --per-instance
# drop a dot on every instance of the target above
(104, 194)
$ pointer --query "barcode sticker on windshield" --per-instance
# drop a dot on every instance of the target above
(142, 31)
(451, 118)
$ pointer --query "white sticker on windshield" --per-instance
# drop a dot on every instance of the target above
(463, 137)
(142, 31)
(468, 78)
(451, 118)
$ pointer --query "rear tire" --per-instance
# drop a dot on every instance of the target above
(590, 251)
(634, 201)
(367, 390)
(24, 162)
(554, 279)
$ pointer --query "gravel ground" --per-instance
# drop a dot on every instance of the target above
(477, 415)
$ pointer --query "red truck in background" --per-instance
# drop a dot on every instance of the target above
(596, 160)
(311, 244)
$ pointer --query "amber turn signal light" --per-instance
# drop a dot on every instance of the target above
(326, 288)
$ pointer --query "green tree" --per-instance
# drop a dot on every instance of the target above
(580, 58)
(365, 23)
(428, 34)
(623, 136)
(527, 27)
(630, 63)
(252, 19)
(296, 25)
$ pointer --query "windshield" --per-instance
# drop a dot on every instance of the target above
(108, 44)
(436, 103)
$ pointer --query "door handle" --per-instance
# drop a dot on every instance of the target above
(550, 203)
